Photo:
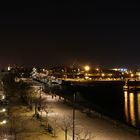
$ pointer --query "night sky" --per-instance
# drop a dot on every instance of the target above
(105, 33)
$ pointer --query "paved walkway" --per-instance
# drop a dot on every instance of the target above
(28, 128)
(101, 128)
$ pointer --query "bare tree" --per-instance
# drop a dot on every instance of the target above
(83, 134)
(54, 119)
(66, 124)
(43, 107)
(88, 135)
(33, 98)
(48, 110)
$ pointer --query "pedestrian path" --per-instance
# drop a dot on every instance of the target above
(29, 128)
(102, 128)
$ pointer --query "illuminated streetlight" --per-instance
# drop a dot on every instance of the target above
(132, 75)
(103, 74)
(87, 68)
(74, 99)
(86, 77)
(9, 68)
(3, 122)
(3, 110)
(97, 69)
(3, 97)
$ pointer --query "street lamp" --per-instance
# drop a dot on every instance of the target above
(87, 68)
(3, 122)
(3, 97)
(103, 74)
(132, 75)
(74, 99)
(40, 103)
(3, 110)
(40, 90)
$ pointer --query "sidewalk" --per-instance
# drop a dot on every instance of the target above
(102, 128)
(27, 127)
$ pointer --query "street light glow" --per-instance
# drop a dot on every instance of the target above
(86, 77)
(132, 75)
(97, 69)
(87, 68)
(3, 110)
(103, 74)
(3, 122)
(3, 97)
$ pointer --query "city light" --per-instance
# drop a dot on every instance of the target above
(86, 77)
(3, 110)
(9, 68)
(97, 69)
(132, 75)
(103, 74)
(3, 122)
(3, 97)
(87, 68)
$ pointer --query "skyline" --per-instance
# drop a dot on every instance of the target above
(40, 34)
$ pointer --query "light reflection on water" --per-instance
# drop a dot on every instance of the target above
(132, 108)
(138, 109)
(126, 105)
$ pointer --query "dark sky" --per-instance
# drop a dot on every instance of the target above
(50, 33)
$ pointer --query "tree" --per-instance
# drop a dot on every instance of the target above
(83, 134)
(87, 135)
(47, 109)
(32, 98)
(42, 107)
(66, 124)
(54, 119)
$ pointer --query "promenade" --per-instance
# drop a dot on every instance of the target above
(99, 128)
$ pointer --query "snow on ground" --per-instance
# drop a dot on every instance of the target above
(28, 128)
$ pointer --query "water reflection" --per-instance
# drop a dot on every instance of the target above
(132, 108)
(138, 108)
(126, 105)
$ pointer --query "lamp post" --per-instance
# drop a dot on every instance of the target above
(40, 105)
(3, 122)
(40, 96)
(87, 68)
(74, 98)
